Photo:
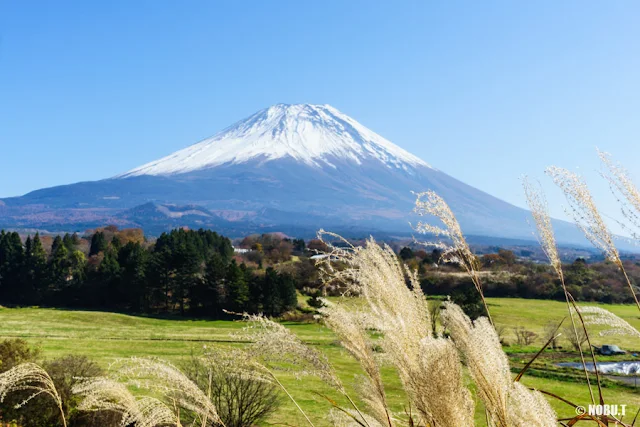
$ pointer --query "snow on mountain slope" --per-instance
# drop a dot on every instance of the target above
(294, 167)
(311, 134)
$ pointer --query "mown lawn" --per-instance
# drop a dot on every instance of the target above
(107, 336)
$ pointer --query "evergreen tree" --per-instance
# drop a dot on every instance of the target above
(69, 242)
(38, 264)
(34, 269)
(187, 272)
(287, 292)
(271, 301)
(236, 288)
(28, 287)
(278, 292)
(133, 260)
(299, 245)
(116, 244)
(208, 297)
(406, 253)
(11, 265)
(59, 268)
(160, 276)
(98, 243)
(109, 277)
(57, 242)
(73, 294)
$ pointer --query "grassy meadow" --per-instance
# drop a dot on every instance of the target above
(107, 336)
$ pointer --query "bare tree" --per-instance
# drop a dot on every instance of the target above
(242, 399)
(576, 342)
(524, 336)
(551, 333)
(501, 331)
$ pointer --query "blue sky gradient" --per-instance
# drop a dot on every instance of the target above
(485, 91)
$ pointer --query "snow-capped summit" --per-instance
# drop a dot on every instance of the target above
(290, 168)
(316, 135)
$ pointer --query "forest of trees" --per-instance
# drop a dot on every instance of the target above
(196, 273)
(184, 272)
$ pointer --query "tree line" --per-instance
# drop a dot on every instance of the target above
(520, 278)
(184, 272)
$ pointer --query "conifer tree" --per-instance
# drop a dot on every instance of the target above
(236, 287)
(98, 243)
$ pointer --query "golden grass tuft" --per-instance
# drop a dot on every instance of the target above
(456, 250)
(33, 379)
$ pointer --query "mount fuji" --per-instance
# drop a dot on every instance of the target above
(293, 168)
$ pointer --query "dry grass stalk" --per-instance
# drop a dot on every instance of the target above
(508, 403)
(458, 251)
(545, 235)
(235, 362)
(625, 191)
(277, 348)
(33, 379)
(540, 212)
(600, 317)
(593, 355)
(350, 327)
(105, 394)
(429, 370)
(162, 377)
(274, 347)
(587, 217)
(340, 418)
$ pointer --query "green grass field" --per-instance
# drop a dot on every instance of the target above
(107, 336)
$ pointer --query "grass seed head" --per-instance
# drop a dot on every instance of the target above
(600, 317)
(540, 212)
(584, 211)
(628, 195)
(167, 380)
(508, 403)
(31, 378)
(109, 395)
(278, 348)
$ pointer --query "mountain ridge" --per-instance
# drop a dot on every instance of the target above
(290, 164)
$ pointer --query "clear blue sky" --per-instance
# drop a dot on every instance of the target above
(483, 90)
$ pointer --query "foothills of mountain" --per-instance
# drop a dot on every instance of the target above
(291, 168)
(200, 273)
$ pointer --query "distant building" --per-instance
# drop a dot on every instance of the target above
(324, 256)
(240, 250)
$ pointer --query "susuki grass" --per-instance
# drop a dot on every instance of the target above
(626, 191)
(613, 324)
(540, 212)
(438, 372)
(32, 379)
(110, 395)
(455, 248)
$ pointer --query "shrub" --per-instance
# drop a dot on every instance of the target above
(241, 399)
(469, 300)
(16, 351)
(524, 336)
(315, 301)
